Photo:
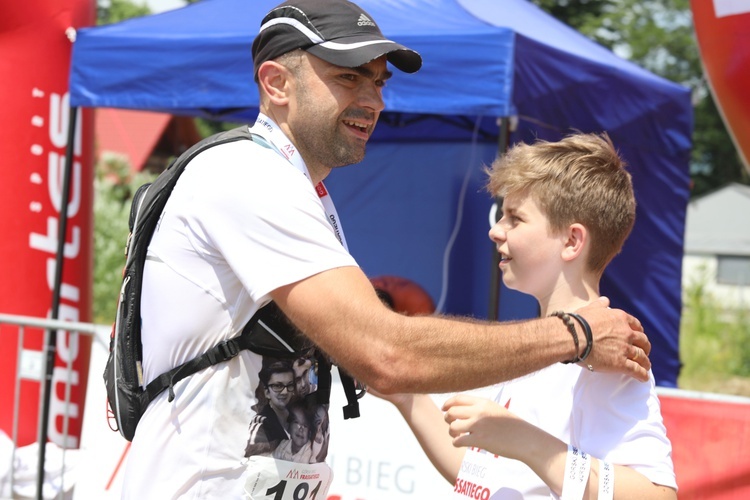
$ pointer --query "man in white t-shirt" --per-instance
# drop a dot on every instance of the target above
(247, 224)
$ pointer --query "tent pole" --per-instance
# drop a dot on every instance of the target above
(51, 337)
(502, 146)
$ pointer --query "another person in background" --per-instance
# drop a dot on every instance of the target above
(302, 376)
(270, 426)
(321, 433)
(565, 430)
(298, 448)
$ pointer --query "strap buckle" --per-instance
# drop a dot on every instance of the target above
(223, 351)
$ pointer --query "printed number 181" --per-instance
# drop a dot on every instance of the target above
(300, 492)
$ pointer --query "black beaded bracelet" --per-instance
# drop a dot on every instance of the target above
(565, 317)
(588, 333)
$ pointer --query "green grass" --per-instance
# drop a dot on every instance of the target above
(714, 344)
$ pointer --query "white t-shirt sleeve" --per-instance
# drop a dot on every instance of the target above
(240, 223)
(262, 216)
(618, 419)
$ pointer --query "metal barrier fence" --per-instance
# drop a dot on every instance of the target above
(31, 365)
(709, 434)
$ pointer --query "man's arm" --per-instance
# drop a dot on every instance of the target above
(339, 310)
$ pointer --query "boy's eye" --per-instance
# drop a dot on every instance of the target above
(510, 220)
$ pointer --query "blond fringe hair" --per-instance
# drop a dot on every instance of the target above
(580, 178)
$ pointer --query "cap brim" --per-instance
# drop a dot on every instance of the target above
(357, 51)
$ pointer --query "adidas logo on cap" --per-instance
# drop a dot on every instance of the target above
(365, 21)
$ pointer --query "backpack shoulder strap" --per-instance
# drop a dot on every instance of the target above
(223, 351)
(148, 204)
(158, 192)
(255, 335)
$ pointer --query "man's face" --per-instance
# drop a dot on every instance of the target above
(333, 110)
(302, 376)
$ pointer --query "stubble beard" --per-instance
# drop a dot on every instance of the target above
(321, 141)
(326, 146)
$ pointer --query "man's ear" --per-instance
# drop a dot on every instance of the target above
(576, 238)
(274, 80)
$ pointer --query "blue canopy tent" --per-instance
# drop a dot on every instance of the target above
(415, 207)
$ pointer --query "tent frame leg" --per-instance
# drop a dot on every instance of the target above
(503, 140)
(51, 337)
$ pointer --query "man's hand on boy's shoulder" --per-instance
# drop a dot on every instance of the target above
(620, 344)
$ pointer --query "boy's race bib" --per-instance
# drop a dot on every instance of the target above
(479, 476)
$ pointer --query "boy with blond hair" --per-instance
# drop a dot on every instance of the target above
(567, 430)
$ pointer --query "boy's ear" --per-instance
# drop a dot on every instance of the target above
(576, 239)
(274, 80)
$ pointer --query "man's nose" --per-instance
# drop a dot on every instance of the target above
(371, 96)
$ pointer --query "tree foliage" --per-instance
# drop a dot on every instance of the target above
(114, 186)
(658, 35)
(115, 11)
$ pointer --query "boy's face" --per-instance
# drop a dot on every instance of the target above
(530, 255)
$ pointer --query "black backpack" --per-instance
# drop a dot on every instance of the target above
(268, 333)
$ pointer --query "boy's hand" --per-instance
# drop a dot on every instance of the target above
(480, 422)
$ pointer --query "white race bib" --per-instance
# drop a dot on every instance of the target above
(271, 479)
(479, 477)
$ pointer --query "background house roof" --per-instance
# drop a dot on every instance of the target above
(143, 135)
(719, 222)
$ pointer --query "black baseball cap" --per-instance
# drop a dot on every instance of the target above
(337, 31)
